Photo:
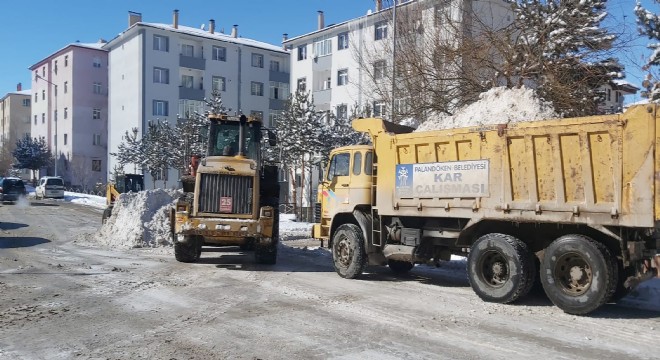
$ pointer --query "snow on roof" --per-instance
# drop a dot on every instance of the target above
(22, 92)
(499, 105)
(93, 46)
(216, 36)
(625, 84)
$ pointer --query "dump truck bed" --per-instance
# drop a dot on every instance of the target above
(597, 170)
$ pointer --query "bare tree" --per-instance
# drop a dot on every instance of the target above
(81, 171)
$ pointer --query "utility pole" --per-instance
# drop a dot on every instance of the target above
(54, 117)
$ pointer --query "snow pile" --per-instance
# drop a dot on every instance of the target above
(290, 229)
(499, 105)
(85, 199)
(139, 220)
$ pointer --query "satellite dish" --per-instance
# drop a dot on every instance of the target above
(369, 12)
(203, 26)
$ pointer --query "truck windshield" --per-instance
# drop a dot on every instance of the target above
(224, 138)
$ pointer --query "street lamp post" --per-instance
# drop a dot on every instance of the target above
(37, 76)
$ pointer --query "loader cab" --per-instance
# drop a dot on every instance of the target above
(234, 136)
(346, 181)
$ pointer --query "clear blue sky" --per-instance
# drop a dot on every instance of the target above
(32, 30)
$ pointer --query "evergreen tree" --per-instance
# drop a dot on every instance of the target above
(561, 47)
(130, 150)
(649, 25)
(32, 153)
(299, 130)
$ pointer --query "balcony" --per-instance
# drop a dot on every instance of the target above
(279, 76)
(192, 62)
(322, 96)
(191, 93)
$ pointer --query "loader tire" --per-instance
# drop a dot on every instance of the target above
(106, 215)
(189, 251)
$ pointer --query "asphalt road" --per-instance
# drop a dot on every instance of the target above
(63, 296)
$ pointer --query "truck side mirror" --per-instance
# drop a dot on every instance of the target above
(272, 139)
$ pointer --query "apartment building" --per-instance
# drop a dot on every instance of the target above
(15, 123)
(164, 72)
(340, 63)
(614, 93)
(70, 110)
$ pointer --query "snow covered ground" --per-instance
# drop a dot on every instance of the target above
(139, 220)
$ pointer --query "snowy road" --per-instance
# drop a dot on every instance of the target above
(63, 297)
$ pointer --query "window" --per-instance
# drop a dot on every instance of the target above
(161, 75)
(43, 118)
(26, 102)
(66, 60)
(218, 83)
(161, 175)
(379, 108)
(97, 88)
(96, 62)
(380, 30)
(66, 113)
(257, 114)
(66, 139)
(379, 69)
(322, 47)
(339, 165)
(342, 111)
(257, 88)
(302, 52)
(273, 116)
(96, 165)
(187, 108)
(302, 84)
(357, 163)
(187, 50)
(219, 53)
(401, 105)
(96, 114)
(342, 77)
(55, 114)
(96, 139)
(66, 87)
(160, 108)
(161, 43)
(274, 65)
(43, 94)
(279, 90)
(440, 13)
(187, 81)
(36, 97)
(257, 60)
(327, 84)
(342, 41)
(55, 67)
(609, 94)
(368, 167)
(35, 119)
(43, 71)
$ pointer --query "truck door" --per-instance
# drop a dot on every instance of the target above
(336, 193)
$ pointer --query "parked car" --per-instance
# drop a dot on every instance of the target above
(49, 187)
(11, 189)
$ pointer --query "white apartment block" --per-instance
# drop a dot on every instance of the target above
(70, 109)
(614, 93)
(164, 72)
(325, 61)
(14, 123)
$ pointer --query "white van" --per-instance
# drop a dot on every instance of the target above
(50, 187)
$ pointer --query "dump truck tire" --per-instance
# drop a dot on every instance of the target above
(188, 252)
(400, 267)
(578, 274)
(500, 268)
(348, 255)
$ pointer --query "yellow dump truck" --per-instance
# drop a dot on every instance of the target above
(575, 200)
